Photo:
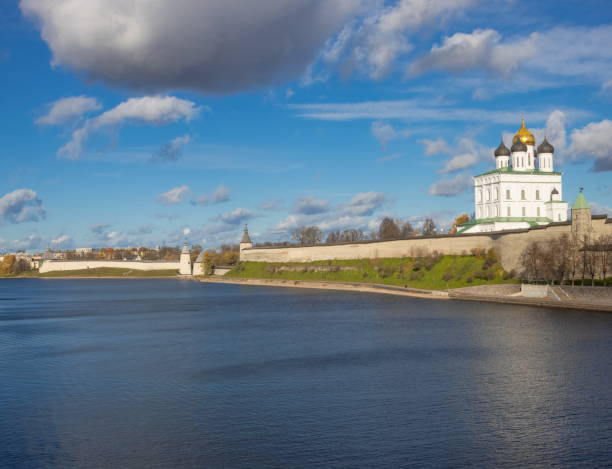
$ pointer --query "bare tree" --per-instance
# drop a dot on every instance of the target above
(307, 235)
(531, 259)
(429, 227)
(407, 231)
(352, 235)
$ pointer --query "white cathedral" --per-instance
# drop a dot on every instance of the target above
(522, 191)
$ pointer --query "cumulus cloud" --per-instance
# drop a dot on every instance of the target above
(450, 187)
(67, 109)
(220, 195)
(479, 49)
(171, 151)
(150, 110)
(364, 204)
(470, 153)
(593, 141)
(271, 205)
(20, 206)
(310, 206)
(173, 196)
(213, 46)
(435, 147)
(375, 43)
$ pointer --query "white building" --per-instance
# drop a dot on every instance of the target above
(522, 191)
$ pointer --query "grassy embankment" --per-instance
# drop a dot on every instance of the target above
(432, 273)
(97, 272)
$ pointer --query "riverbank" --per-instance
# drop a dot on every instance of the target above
(485, 293)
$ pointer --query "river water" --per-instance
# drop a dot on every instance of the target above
(169, 373)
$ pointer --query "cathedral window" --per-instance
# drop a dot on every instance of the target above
(509, 212)
(523, 211)
(488, 194)
(538, 210)
(523, 194)
(507, 194)
(537, 195)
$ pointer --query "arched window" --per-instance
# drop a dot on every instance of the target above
(507, 194)
(538, 210)
(537, 195)
(509, 212)
(488, 194)
(522, 194)
(496, 193)
(523, 211)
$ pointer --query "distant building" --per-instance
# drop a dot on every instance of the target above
(522, 191)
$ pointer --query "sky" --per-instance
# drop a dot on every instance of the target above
(151, 122)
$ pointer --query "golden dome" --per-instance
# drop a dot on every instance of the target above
(524, 135)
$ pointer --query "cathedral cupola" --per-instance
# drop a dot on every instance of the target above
(546, 147)
(502, 156)
(545, 156)
(502, 150)
(524, 135)
(518, 146)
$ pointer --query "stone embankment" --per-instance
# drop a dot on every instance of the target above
(587, 298)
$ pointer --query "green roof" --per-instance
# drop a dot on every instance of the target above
(509, 170)
(581, 202)
(533, 221)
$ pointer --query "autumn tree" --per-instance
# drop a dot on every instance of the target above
(388, 229)
(460, 220)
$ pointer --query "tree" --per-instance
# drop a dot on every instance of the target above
(407, 231)
(460, 220)
(333, 237)
(388, 229)
(429, 227)
(531, 260)
(351, 235)
(307, 235)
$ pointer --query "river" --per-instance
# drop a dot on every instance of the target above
(164, 373)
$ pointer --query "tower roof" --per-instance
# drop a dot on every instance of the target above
(185, 249)
(518, 146)
(245, 236)
(502, 150)
(581, 202)
(524, 135)
(546, 147)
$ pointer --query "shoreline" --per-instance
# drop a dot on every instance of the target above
(410, 292)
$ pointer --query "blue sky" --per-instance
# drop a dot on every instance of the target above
(147, 122)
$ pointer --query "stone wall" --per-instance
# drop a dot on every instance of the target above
(53, 266)
(508, 244)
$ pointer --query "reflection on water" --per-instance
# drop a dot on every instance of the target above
(170, 373)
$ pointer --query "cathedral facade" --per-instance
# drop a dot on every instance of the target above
(522, 191)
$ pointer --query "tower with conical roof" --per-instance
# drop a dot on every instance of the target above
(581, 216)
(245, 242)
(185, 260)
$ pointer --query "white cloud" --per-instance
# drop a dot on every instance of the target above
(364, 204)
(470, 154)
(151, 110)
(27, 243)
(220, 195)
(385, 133)
(479, 49)
(173, 196)
(235, 217)
(212, 46)
(416, 110)
(172, 150)
(451, 187)
(289, 93)
(435, 147)
(607, 86)
(67, 109)
(62, 242)
(271, 205)
(600, 209)
(384, 34)
(21, 205)
(593, 141)
(310, 206)
(391, 157)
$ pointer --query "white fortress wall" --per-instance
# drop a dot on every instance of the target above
(508, 244)
(53, 266)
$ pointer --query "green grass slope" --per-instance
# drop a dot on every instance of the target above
(433, 273)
